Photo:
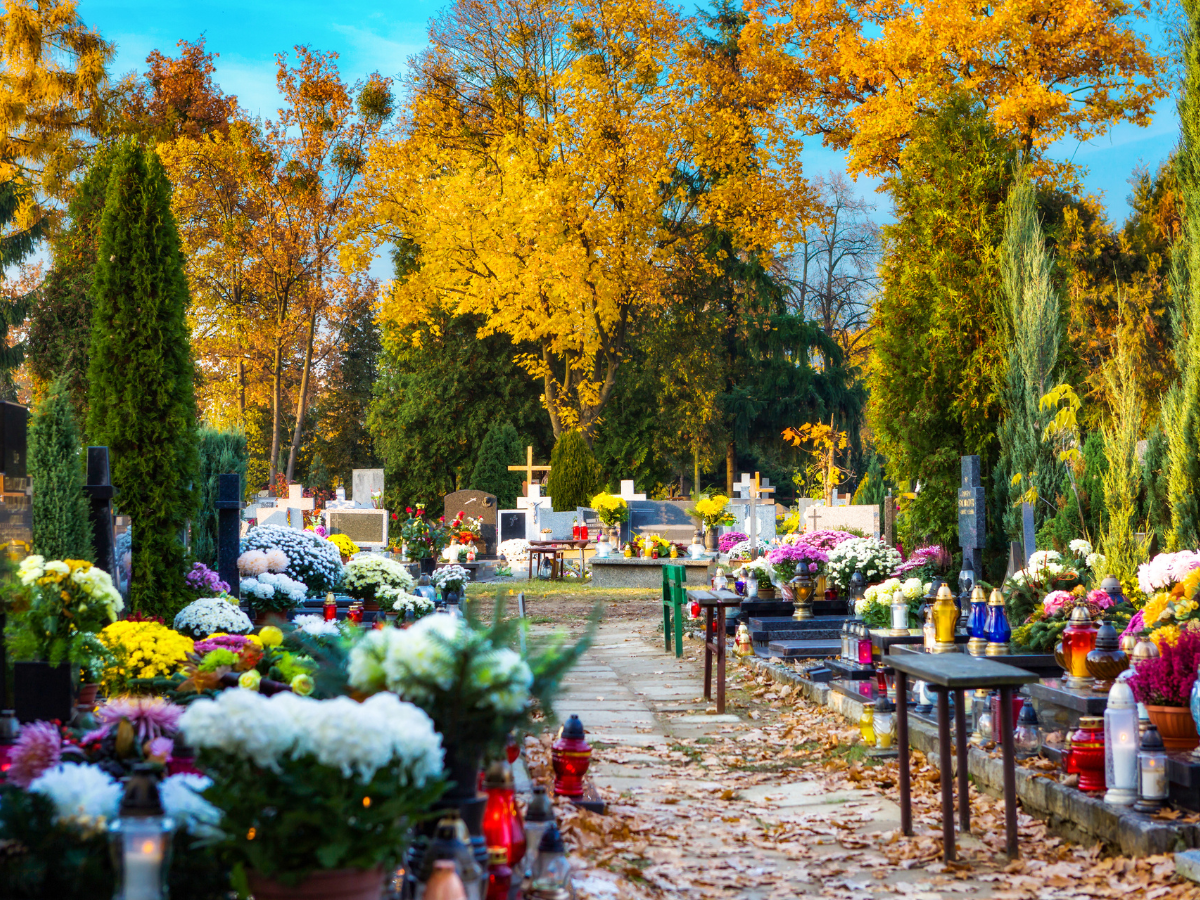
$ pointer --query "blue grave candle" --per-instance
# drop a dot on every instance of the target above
(999, 632)
(977, 623)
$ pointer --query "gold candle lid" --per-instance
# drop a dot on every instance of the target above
(1080, 616)
(944, 593)
(997, 598)
(977, 595)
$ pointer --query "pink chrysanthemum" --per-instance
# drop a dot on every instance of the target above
(151, 717)
(38, 748)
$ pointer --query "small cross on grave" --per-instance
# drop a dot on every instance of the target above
(628, 492)
(741, 488)
(529, 468)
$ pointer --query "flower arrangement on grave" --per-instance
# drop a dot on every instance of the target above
(1166, 570)
(364, 576)
(926, 563)
(826, 539)
(1169, 612)
(470, 678)
(875, 605)
(1043, 628)
(141, 650)
(306, 785)
(873, 558)
(407, 605)
(55, 617)
(450, 578)
(760, 570)
(741, 550)
(712, 510)
(466, 530)
(346, 547)
(319, 626)
(515, 550)
(200, 618)
(261, 664)
(1045, 572)
(654, 545)
(792, 559)
(423, 538)
(273, 592)
(204, 582)
(1167, 680)
(311, 560)
(610, 509)
(731, 539)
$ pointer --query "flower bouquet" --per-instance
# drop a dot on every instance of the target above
(257, 663)
(874, 559)
(141, 650)
(346, 547)
(307, 786)
(793, 559)
(423, 538)
(311, 560)
(712, 511)
(875, 605)
(450, 579)
(760, 571)
(730, 539)
(823, 540)
(200, 618)
(1166, 570)
(1044, 627)
(741, 550)
(466, 530)
(1169, 611)
(365, 576)
(408, 606)
(1044, 573)
(926, 563)
(610, 509)
(654, 546)
(515, 550)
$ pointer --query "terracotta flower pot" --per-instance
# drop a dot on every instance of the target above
(87, 695)
(332, 884)
(1175, 725)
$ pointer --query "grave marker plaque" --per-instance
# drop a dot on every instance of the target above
(366, 527)
(478, 505)
(972, 515)
(512, 526)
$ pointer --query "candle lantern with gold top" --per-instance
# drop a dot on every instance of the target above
(1086, 758)
(977, 622)
(140, 839)
(885, 724)
(502, 825)
(999, 632)
(1107, 660)
(945, 621)
(1079, 639)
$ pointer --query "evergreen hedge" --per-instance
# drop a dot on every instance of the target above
(501, 448)
(574, 476)
(221, 453)
(141, 401)
(61, 527)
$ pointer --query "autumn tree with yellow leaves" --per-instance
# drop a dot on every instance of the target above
(549, 176)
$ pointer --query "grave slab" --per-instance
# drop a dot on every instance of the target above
(619, 572)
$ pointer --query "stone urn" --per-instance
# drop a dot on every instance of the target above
(711, 541)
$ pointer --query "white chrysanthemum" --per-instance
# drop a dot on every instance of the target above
(79, 792)
(913, 588)
(241, 724)
(414, 740)
(181, 801)
(252, 563)
(1080, 547)
(210, 615)
(1096, 561)
(277, 560)
(372, 571)
(1041, 559)
(366, 668)
(57, 567)
(31, 569)
(515, 550)
(317, 626)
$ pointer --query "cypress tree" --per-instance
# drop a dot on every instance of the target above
(141, 400)
(221, 453)
(1122, 477)
(574, 476)
(1181, 405)
(61, 528)
(500, 449)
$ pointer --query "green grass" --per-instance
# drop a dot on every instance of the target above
(561, 589)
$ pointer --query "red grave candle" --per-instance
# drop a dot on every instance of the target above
(571, 755)
(502, 825)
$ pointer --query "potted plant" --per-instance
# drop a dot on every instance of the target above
(404, 606)
(316, 796)
(311, 559)
(51, 633)
(200, 618)
(346, 547)
(712, 510)
(451, 581)
(875, 559)
(792, 560)
(1164, 685)
(758, 579)
(364, 577)
(613, 512)
(265, 586)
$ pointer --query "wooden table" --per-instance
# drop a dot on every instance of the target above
(554, 549)
(715, 603)
(958, 672)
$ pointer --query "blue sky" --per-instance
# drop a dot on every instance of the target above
(376, 36)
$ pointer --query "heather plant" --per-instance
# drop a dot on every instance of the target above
(1167, 680)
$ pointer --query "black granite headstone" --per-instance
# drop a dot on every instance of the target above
(512, 526)
(100, 494)
(667, 518)
(229, 526)
(972, 515)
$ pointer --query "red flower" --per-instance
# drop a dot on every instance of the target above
(408, 509)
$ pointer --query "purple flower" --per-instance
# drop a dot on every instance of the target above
(1136, 625)
(204, 580)
(231, 642)
(813, 568)
(933, 556)
(825, 539)
(38, 748)
(150, 717)
(728, 540)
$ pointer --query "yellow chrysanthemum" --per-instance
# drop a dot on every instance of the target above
(144, 650)
(1154, 608)
(1168, 634)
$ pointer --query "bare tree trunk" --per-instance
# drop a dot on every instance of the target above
(276, 406)
(302, 400)
(695, 473)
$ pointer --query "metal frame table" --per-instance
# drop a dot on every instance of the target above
(555, 549)
(715, 603)
(958, 672)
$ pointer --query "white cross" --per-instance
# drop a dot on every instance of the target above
(756, 489)
(629, 492)
(741, 488)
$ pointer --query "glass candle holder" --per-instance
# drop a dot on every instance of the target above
(330, 607)
(977, 623)
(866, 724)
(885, 724)
(1086, 757)
(1153, 786)
(945, 621)
(864, 646)
(502, 825)
(999, 632)
(1027, 736)
(899, 614)
(1079, 639)
(570, 755)
(1121, 746)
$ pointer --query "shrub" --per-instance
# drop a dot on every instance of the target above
(500, 449)
(61, 528)
(573, 473)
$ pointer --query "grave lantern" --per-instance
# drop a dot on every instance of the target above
(864, 645)
(866, 724)
(720, 582)
(1152, 773)
(451, 844)
(1111, 586)
(845, 639)
(885, 723)
(499, 874)
(924, 703)
(1121, 746)
(330, 607)
(1027, 736)
(539, 816)
(1078, 640)
(928, 632)
(858, 588)
(10, 728)
(977, 623)
(1107, 660)
(570, 755)
(899, 614)
(945, 621)
(1086, 758)
(552, 871)
(139, 839)
(502, 826)
(999, 632)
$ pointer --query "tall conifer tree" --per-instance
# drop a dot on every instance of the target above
(500, 449)
(61, 529)
(140, 380)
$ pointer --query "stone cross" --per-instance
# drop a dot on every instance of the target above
(628, 492)
(757, 489)
(529, 468)
(100, 493)
(229, 514)
(741, 487)
(972, 516)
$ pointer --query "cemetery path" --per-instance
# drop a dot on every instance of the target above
(776, 800)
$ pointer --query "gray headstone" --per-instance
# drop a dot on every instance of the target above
(559, 524)
(667, 518)
(100, 493)
(478, 505)
(363, 483)
(1028, 532)
(1015, 562)
(766, 518)
(972, 515)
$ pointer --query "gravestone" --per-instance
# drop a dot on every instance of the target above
(100, 493)
(972, 515)
(478, 505)
(559, 524)
(16, 489)
(1028, 533)
(366, 527)
(229, 514)
(667, 518)
(283, 516)
(1015, 562)
(364, 482)
(740, 509)
(861, 517)
(511, 525)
